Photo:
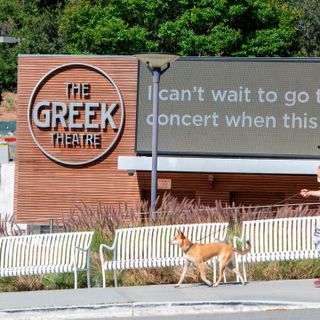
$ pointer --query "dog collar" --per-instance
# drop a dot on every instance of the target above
(188, 249)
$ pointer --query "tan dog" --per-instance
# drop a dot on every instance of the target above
(198, 254)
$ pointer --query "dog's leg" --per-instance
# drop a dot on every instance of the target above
(239, 275)
(231, 267)
(223, 263)
(184, 271)
(202, 269)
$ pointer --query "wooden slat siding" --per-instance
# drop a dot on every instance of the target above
(254, 189)
(45, 189)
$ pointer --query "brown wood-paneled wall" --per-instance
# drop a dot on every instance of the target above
(45, 189)
(242, 189)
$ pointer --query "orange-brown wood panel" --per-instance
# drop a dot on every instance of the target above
(45, 189)
(242, 189)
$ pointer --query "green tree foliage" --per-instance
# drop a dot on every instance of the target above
(10, 17)
(103, 29)
(37, 28)
(185, 27)
(308, 26)
(233, 28)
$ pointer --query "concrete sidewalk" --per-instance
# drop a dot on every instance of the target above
(154, 299)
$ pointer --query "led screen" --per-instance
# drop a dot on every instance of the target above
(233, 107)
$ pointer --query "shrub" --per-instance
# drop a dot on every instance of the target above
(8, 227)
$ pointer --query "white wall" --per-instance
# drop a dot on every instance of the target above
(6, 188)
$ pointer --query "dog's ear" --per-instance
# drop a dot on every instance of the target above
(182, 235)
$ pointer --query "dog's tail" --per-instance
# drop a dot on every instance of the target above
(247, 249)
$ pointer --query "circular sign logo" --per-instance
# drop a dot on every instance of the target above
(75, 114)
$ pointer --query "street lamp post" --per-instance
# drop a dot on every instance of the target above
(157, 63)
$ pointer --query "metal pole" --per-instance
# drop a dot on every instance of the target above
(156, 78)
(51, 225)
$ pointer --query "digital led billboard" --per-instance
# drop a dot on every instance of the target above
(233, 107)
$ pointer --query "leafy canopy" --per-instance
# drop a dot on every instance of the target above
(183, 27)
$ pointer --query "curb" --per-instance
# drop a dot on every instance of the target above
(103, 311)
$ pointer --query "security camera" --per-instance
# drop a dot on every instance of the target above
(131, 172)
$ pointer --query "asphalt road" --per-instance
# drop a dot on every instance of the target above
(155, 301)
(266, 315)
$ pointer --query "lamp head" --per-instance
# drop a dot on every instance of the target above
(156, 60)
